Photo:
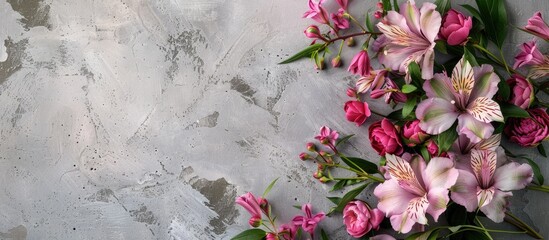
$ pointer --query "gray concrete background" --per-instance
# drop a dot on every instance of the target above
(145, 119)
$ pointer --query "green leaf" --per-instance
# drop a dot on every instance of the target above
(340, 184)
(268, 189)
(307, 52)
(535, 168)
(415, 73)
(510, 110)
(323, 235)
(424, 153)
(446, 139)
(541, 150)
(408, 88)
(409, 106)
(395, 6)
(387, 6)
(334, 200)
(503, 90)
(351, 195)
(494, 17)
(473, 11)
(431, 234)
(343, 139)
(443, 6)
(469, 56)
(360, 164)
(454, 229)
(251, 234)
(369, 24)
(441, 46)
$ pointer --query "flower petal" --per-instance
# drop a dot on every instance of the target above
(483, 163)
(428, 64)
(440, 173)
(392, 198)
(402, 222)
(438, 199)
(491, 143)
(415, 212)
(485, 110)
(439, 87)
(430, 21)
(401, 171)
(436, 114)
(463, 77)
(411, 14)
(495, 210)
(513, 176)
(475, 130)
(486, 84)
(464, 191)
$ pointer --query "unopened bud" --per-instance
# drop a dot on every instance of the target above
(336, 62)
(322, 153)
(311, 147)
(379, 5)
(324, 180)
(378, 14)
(264, 205)
(317, 174)
(312, 32)
(351, 92)
(321, 167)
(255, 221)
(319, 65)
(350, 41)
(304, 156)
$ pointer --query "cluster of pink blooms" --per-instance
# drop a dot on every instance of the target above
(420, 177)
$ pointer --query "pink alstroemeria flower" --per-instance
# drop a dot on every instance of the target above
(343, 3)
(390, 92)
(360, 64)
(317, 12)
(308, 222)
(529, 55)
(339, 20)
(409, 36)
(537, 26)
(373, 81)
(415, 189)
(467, 97)
(487, 183)
(252, 205)
(327, 136)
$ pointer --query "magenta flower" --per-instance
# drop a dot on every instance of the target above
(251, 204)
(360, 64)
(343, 3)
(339, 20)
(327, 136)
(357, 112)
(529, 55)
(529, 132)
(359, 218)
(287, 231)
(486, 183)
(308, 222)
(384, 138)
(414, 190)
(413, 134)
(537, 26)
(522, 91)
(390, 92)
(317, 12)
(466, 97)
(372, 81)
(409, 36)
(455, 27)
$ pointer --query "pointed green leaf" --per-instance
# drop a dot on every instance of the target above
(395, 6)
(510, 110)
(409, 106)
(537, 171)
(369, 24)
(441, 47)
(343, 139)
(424, 153)
(351, 195)
(415, 73)
(323, 235)
(541, 150)
(387, 6)
(307, 52)
(251, 234)
(360, 164)
(334, 200)
(468, 55)
(446, 139)
(408, 88)
(503, 90)
(494, 17)
(268, 189)
(473, 11)
(443, 6)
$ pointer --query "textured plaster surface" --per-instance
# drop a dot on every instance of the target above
(145, 119)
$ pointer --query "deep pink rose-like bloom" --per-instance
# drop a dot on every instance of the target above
(529, 55)
(327, 136)
(529, 132)
(537, 26)
(357, 112)
(522, 92)
(359, 219)
(339, 20)
(308, 222)
(413, 134)
(360, 64)
(312, 32)
(317, 12)
(455, 27)
(384, 138)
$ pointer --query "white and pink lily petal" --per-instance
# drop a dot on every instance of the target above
(486, 186)
(409, 37)
(415, 189)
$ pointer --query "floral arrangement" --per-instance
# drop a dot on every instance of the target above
(440, 151)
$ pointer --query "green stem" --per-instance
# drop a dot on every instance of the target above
(522, 225)
(350, 35)
(483, 228)
(542, 188)
(504, 62)
(340, 48)
(356, 22)
(355, 178)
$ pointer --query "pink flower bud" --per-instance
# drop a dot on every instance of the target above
(432, 148)
(336, 62)
(350, 41)
(538, 26)
(317, 174)
(378, 14)
(271, 236)
(360, 219)
(384, 138)
(522, 92)
(311, 147)
(357, 112)
(312, 32)
(529, 55)
(339, 20)
(324, 179)
(455, 27)
(413, 134)
(351, 92)
(255, 221)
(320, 65)
(379, 5)
(304, 156)
(360, 64)
(264, 205)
